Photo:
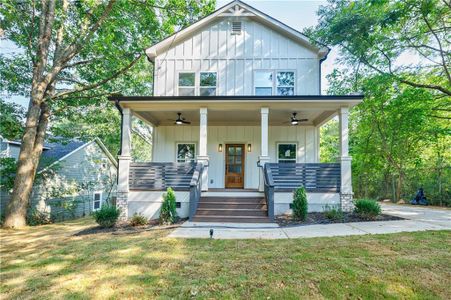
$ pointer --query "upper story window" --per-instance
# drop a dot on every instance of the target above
(208, 83)
(283, 85)
(187, 83)
(263, 82)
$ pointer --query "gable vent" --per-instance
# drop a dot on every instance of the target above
(236, 28)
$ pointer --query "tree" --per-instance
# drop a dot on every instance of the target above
(74, 51)
(406, 40)
(11, 120)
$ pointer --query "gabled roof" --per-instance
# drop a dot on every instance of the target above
(236, 9)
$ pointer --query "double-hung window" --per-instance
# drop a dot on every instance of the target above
(186, 152)
(97, 201)
(187, 83)
(208, 83)
(267, 83)
(286, 152)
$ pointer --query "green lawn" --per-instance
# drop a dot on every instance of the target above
(49, 262)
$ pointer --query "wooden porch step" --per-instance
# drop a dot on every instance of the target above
(231, 212)
(235, 205)
(231, 219)
(233, 199)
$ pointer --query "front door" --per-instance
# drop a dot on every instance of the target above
(234, 168)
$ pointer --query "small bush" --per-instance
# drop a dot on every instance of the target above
(333, 213)
(107, 216)
(36, 218)
(138, 220)
(367, 208)
(300, 204)
(168, 213)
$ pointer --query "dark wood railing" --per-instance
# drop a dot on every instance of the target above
(269, 192)
(315, 177)
(159, 176)
(195, 190)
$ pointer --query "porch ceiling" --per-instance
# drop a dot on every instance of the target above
(237, 111)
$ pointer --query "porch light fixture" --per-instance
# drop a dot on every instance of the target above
(220, 148)
(249, 148)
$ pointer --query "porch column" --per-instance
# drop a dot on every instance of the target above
(345, 161)
(264, 150)
(203, 156)
(124, 164)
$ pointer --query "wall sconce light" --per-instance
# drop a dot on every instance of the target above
(249, 148)
(220, 148)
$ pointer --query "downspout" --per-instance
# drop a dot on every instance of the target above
(320, 62)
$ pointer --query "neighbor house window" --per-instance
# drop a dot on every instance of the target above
(286, 152)
(186, 152)
(285, 83)
(208, 83)
(187, 83)
(263, 82)
(97, 201)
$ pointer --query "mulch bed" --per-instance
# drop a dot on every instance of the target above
(125, 228)
(320, 218)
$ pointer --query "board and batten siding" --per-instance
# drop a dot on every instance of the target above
(235, 57)
(167, 137)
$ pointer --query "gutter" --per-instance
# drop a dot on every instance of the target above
(320, 62)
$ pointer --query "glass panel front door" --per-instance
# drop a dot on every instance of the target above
(234, 169)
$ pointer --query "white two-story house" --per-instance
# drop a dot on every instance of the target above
(236, 111)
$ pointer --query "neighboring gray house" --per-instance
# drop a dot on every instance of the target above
(73, 178)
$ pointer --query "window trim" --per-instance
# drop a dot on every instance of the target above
(177, 148)
(284, 86)
(274, 80)
(94, 200)
(209, 86)
(178, 81)
(287, 143)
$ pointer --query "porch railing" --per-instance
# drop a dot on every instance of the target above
(195, 190)
(315, 177)
(159, 176)
(269, 192)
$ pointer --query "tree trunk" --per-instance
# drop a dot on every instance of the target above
(30, 151)
(399, 186)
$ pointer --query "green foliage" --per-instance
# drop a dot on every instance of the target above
(7, 172)
(138, 220)
(333, 213)
(107, 216)
(329, 144)
(11, 120)
(300, 206)
(36, 217)
(168, 213)
(367, 208)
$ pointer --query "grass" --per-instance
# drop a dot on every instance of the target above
(50, 262)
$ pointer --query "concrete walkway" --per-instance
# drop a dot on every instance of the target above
(417, 219)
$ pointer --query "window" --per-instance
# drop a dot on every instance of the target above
(208, 83)
(285, 83)
(186, 152)
(187, 84)
(263, 82)
(97, 201)
(286, 152)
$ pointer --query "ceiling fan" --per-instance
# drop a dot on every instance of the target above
(181, 120)
(296, 121)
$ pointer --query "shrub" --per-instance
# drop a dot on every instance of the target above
(37, 217)
(107, 216)
(300, 204)
(168, 213)
(367, 208)
(333, 213)
(138, 220)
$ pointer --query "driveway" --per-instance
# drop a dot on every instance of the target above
(417, 219)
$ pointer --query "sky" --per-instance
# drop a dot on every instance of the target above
(295, 13)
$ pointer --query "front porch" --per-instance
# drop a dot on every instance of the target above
(231, 144)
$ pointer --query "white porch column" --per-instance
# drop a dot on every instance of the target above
(203, 156)
(124, 164)
(345, 160)
(264, 150)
